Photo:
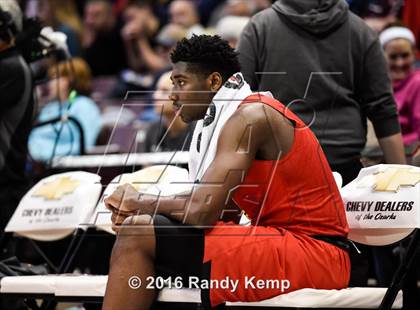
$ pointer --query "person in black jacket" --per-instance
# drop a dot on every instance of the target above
(327, 66)
(16, 105)
(102, 45)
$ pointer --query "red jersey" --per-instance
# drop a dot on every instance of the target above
(288, 201)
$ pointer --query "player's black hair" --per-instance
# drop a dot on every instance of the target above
(207, 54)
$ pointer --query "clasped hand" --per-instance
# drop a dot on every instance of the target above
(126, 201)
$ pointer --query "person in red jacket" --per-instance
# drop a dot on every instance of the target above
(266, 163)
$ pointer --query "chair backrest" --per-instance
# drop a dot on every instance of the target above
(56, 206)
(382, 204)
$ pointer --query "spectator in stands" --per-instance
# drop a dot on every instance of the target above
(229, 28)
(185, 13)
(399, 46)
(167, 38)
(238, 8)
(208, 8)
(140, 26)
(69, 89)
(169, 132)
(144, 62)
(101, 41)
(63, 16)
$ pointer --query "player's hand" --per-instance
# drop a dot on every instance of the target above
(117, 219)
(125, 200)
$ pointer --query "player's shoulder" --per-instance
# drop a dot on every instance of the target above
(250, 108)
(254, 114)
(250, 112)
(256, 111)
(247, 119)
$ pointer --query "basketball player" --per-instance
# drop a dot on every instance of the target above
(247, 152)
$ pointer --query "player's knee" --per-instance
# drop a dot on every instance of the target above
(140, 222)
(137, 226)
(136, 234)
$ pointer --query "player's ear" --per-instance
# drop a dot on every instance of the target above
(215, 81)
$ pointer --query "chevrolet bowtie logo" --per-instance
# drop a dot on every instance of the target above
(391, 179)
(56, 189)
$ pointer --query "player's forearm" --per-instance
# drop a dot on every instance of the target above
(174, 207)
(185, 209)
(393, 149)
(201, 207)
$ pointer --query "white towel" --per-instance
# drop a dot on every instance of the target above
(207, 131)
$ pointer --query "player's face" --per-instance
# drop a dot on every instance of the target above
(400, 57)
(191, 93)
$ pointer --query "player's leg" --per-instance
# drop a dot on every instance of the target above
(160, 248)
(133, 256)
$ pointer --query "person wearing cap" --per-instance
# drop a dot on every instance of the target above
(399, 47)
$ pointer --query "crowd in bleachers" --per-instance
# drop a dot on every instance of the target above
(126, 44)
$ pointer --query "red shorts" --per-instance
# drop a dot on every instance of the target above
(263, 260)
(246, 263)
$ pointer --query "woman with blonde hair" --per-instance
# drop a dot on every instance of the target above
(69, 88)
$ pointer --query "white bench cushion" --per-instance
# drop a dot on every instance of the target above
(85, 285)
(94, 286)
(29, 284)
